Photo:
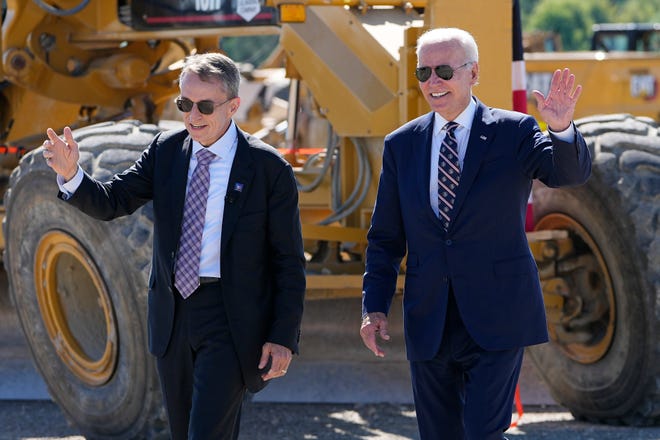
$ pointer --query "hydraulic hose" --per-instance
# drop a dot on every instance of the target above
(61, 12)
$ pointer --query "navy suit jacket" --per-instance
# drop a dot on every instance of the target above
(261, 254)
(484, 255)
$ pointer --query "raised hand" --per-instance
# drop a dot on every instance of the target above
(61, 154)
(558, 107)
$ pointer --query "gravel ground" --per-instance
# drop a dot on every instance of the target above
(41, 420)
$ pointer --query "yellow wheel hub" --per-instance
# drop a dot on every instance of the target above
(583, 324)
(76, 308)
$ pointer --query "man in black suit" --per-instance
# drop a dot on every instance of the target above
(226, 320)
(452, 196)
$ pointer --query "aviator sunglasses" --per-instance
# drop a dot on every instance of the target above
(444, 72)
(205, 107)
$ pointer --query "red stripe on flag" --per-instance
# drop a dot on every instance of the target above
(529, 217)
(520, 100)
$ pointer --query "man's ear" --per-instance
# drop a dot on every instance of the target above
(475, 73)
(235, 103)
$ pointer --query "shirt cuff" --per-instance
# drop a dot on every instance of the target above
(70, 187)
(566, 135)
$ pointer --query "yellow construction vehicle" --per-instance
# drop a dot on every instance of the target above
(108, 68)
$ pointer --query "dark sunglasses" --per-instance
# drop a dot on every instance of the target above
(205, 107)
(444, 72)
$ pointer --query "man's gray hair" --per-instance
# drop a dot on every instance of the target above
(214, 67)
(441, 35)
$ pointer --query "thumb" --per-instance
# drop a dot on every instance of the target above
(382, 330)
(52, 136)
(265, 355)
(539, 97)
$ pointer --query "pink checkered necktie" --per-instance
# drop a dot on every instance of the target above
(186, 276)
(449, 173)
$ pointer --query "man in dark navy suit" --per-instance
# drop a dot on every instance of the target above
(452, 196)
(225, 307)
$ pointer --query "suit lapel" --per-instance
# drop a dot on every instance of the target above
(238, 188)
(179, 182)
(482, 134)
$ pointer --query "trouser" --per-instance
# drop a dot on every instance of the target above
(200, 376)
(464, 392)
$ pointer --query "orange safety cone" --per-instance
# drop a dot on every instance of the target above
(519, 407)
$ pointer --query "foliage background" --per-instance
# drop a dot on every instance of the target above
(572, 19)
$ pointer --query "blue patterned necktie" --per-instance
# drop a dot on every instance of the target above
(449, 173)
(186, 277)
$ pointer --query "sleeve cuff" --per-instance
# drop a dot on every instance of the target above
(70, 187)
(566, 135)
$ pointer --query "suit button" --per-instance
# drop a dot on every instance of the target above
(445, 279)
(448, 242)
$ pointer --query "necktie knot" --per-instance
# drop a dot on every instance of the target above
(204, 156)
(451, 126)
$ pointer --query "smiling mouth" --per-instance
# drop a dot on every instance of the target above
(439, 95)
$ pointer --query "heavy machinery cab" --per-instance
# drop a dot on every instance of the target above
(620, 37)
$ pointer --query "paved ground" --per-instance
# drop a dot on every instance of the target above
(350, 374)
(26, 411)
(41, 420)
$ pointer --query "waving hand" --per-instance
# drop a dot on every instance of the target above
(558, 107)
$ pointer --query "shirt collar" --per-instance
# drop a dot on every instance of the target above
(464, 119)
(223, 146)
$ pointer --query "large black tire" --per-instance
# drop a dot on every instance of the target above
(80, 286)
(603, 362)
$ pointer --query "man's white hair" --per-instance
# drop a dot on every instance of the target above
(441, 35)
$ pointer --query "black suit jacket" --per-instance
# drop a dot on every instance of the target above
(262, 261)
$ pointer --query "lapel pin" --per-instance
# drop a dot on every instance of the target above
(238, 187)
(482, 137)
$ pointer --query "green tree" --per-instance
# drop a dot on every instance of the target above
(526, 9)
(638, 11)
(249, 49)
(572, 19)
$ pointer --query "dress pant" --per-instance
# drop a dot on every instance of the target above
(464, 392)
(200, 374)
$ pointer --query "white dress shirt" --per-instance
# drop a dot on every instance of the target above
(225, 150)
(464, 121)
(462, 132)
